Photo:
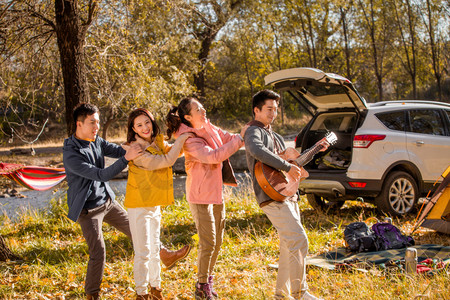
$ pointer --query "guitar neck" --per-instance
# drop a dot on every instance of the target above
(308, 155)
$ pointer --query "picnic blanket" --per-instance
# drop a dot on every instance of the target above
(330, 259)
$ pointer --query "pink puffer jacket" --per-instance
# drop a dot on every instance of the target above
(204, 155)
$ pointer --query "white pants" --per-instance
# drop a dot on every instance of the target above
(145, 231)
(291, 278)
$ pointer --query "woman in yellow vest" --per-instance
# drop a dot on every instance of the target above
(150, 185)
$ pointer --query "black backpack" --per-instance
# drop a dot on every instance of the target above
(360, 238)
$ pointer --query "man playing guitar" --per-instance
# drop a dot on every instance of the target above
(264, 145)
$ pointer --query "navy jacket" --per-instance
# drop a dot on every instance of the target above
(86, 164)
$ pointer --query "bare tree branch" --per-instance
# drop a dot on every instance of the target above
(6, 8)
(92, 12)
(38, 15)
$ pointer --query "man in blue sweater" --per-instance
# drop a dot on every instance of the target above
(91, 199)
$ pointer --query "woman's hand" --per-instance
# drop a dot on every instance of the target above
(186, 135)
(243, 130)
(133, 152)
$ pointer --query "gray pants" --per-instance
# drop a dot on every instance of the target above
(91, 224)
(210, 223)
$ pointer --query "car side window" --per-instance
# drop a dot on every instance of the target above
(394, 120)
(426, 121)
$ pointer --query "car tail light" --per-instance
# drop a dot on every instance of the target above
(364, 141)
(356, 184)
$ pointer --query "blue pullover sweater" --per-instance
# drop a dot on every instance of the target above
(85, 170)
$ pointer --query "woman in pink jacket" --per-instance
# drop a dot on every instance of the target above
(208, 168)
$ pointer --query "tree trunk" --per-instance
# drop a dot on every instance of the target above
(306, 38)
(434, 50)
(374, 42)
(5, 253)
(110, 119)
(199, 78)
(71, 39)
(346, 43)
(409, 46)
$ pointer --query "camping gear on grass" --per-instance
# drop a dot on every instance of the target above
(411, 260)
(360, 238)
(382, 236)
(390, 237)
(435, 214)
(439, 255)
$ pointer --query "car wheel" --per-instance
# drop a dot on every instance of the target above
(398, 195)
(322, 204)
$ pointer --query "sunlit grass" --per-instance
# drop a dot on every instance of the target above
(55, 255)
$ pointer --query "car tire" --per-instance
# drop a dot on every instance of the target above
(322, 204)
(398, 195)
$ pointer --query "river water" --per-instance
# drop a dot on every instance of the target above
(13, 207)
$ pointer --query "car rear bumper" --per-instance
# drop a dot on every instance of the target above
(336, 186)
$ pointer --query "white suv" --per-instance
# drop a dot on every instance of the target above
(389, 153)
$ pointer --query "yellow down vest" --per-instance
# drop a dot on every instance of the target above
(150, 187)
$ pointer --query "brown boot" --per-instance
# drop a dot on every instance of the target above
(170, 258)
(156, 294)
(93, 296)
(143, 297)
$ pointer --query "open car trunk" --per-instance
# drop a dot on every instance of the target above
(335, 106)
(338, 157)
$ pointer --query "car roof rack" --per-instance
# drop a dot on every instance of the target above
(383, 103)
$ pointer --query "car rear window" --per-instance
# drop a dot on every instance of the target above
(394, 120)
(324, 90)
(337, 122)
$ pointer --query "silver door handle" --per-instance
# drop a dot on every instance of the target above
(420, 143)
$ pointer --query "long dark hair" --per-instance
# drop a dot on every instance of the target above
(131, 135)
(176, 115)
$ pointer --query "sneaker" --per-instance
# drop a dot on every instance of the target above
(203, 291)
(211, 283)
(307, 296)
(170, 258)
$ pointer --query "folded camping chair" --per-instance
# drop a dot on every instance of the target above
(33, 177)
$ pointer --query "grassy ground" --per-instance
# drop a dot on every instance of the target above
(55, 256)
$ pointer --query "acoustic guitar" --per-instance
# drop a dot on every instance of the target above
(279, 185)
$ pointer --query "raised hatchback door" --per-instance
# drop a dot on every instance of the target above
(321, 91)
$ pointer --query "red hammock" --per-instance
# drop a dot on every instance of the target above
(32, 177)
